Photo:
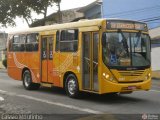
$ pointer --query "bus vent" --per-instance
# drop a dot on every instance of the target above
(131, 73)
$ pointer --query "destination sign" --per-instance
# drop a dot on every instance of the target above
(129, 25)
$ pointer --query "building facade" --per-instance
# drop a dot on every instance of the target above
(93, 10)
(141, 10)
(60, 17)
(3, 42)
(155, 35)
(155, 55)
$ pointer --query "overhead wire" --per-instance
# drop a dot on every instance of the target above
(131, 12)
(150, 10)
(151, 18)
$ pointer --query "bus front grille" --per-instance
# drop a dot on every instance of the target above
(131, 73)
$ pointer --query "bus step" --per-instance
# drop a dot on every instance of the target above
(46, 84)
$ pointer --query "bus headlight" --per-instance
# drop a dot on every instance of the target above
(148, 76)
(106, 75)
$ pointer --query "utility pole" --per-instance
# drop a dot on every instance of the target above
(59, 12)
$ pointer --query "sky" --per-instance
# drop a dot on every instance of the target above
(133, 9)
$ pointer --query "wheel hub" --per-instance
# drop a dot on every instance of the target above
(27, 80)
(71, 86)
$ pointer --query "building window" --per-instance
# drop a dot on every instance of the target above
(32, 42)
(69, 40)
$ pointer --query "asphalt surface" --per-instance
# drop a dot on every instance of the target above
(52, 103)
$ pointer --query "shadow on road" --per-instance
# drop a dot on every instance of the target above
(112, 98)
(91, 97)
(54, 90)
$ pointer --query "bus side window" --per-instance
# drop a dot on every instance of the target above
(32, 42)
(19, 43)
(57, 41)
(69, 40)
(10, 43)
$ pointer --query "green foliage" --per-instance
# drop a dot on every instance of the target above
(6, 15)
(4, 62)
(10, 9)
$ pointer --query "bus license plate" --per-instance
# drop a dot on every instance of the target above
(131, 87)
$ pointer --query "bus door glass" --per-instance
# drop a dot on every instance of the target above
(90, 60)
(47, 58)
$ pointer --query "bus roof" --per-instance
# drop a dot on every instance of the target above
(80, 23)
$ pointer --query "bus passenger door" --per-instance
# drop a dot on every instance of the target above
(47, 59)
(90, 60)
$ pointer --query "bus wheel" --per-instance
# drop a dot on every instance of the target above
(71, 86)
(27, 81)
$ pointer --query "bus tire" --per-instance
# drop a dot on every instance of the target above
(27, 81)
(71, 86)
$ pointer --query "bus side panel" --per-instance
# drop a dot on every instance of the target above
(55, 69)
(15, 65)
(33, 63)
(64, 63)
(68, 62)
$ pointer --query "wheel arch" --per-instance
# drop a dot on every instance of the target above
(23, 70)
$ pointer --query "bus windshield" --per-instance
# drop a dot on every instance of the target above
(126, 49)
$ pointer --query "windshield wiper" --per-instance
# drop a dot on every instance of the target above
(124, 41)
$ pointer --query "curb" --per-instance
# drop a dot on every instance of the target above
(155, 78)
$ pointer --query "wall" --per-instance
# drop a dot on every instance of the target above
(155, 56)
(2, 57)
(3, 41)
(94, 12)
(66, 16)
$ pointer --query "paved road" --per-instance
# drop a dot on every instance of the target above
(57, 105)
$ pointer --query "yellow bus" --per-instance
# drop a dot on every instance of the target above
(98, 56)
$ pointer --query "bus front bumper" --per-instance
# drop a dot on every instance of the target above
(112, 87)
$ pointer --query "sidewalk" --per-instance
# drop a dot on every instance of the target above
(3, 70)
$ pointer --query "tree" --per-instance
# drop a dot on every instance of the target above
(10, 9)
(6, 17)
